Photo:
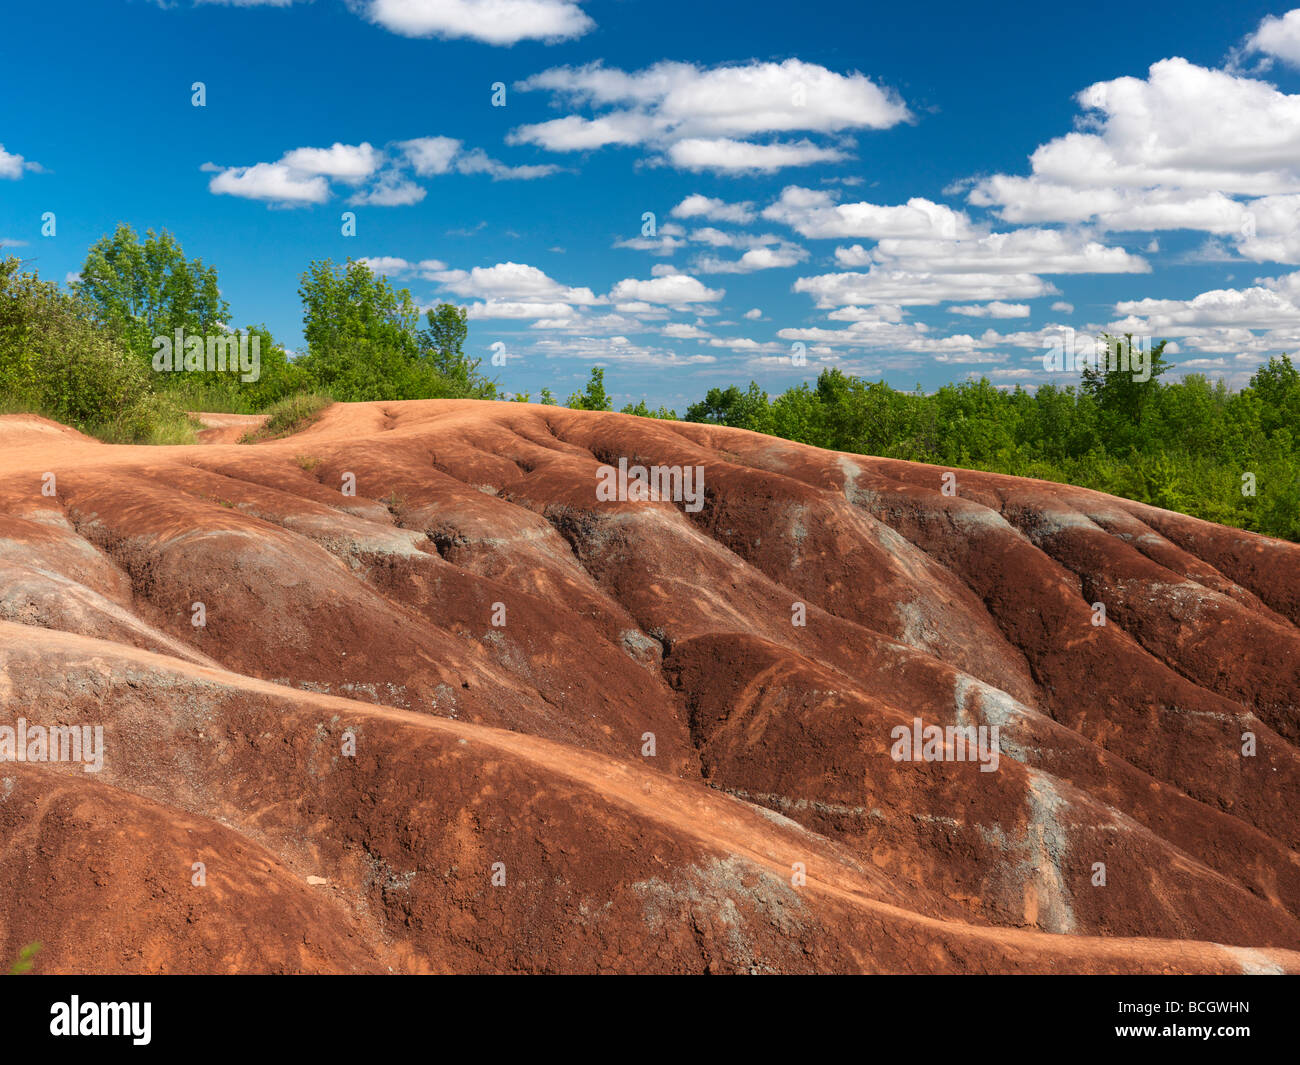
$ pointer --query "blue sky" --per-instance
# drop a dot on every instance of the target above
(921, 193)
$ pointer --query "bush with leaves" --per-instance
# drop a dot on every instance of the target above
(57, 361)
(364, 341)
(147, 288)
(593, 397)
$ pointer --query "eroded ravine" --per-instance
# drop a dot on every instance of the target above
(670, 725)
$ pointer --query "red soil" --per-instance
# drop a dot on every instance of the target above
(370, 617)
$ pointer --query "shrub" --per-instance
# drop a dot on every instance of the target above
(290, 415)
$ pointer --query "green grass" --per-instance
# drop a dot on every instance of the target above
(26, 959)
(213, 397)
(155, 419)
(290, 415)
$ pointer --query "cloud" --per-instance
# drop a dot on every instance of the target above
(1270, 231)
(390, 189)
(997, 269)
(685, 331)
(512, 282)
(502, 22)
(754, 314)
(512, 309)
(1184, 148)
(1271, 303)
(345, 162)
(727, 154)
(1278, 38)
(575, 134)
(272, 183)
(874, 334)
(303, 175)
(853, 256)
(477, 161)
(718, 238)
(748, 344)
(715, 210)
(697, 118)
(1025, 200)
(671, 290)
(1022, 251)
(617, 349)
(996, 309)
(880, 285)
(1249, 324)
(666, 240)
(814, 213)
(431, 156)
(1183, 127)
(12, 166)
(391, 266)
(784, 254)
(584, 323)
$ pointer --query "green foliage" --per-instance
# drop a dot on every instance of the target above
(361, 334)
(289, 416)
(1278, 387)
(1184, 446)
(227, 393)
(442, 344)
(594, 396)
(1128, 409)
(57, 361)
(642, 411)
(731, 406)
(142, 290)
(84, 358)
(364, 341)
(26, 959)
(148, 288)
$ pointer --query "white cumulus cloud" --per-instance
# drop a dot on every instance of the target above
(814, 213)
(699, 118)
(670, 290)
(502, 22)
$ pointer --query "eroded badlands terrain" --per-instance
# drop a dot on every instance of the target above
(410, 734)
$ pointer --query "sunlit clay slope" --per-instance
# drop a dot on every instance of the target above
(410, 692)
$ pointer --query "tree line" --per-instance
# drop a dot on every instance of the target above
(85, 357)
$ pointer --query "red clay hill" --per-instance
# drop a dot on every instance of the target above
(400, 693)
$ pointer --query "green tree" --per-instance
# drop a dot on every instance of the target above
(1277, 385)
(640, 409)
(148, 288)
(1128, 408)
(594, 396)
(56, 359)
(364, 340)
(442, 343)
(362, 334)
(730, 406)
